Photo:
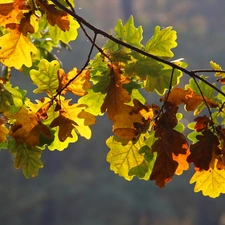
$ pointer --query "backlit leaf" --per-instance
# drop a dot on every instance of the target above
(27, 128)
(210, 182)
(65, 36)
(46, 77)
(123, 157)
(161, 42)
(78, 86)
(13, 46)
(27, 158)
(188, 97)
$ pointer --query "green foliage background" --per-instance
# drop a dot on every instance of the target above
(76, 186)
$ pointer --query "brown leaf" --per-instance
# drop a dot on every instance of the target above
(203, 150)
(54, 15)
(131, 121)
(170, 143)
(116, 94)
(171, 147)
(202, 123)
(66, 126)
(28, 128)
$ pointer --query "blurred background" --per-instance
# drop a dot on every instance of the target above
(76, 186)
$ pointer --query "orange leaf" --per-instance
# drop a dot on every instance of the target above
(130, 121)
(182, 162)
(12, 12)
(116, 94)
(188, 97)
(27, 128)
(54, 15)
(78, 86)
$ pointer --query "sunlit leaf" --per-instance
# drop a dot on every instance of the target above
(27, 158)
(46, 77)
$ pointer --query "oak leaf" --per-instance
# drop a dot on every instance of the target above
(131, 121)
(16, 49)
(78, 86)
(117, 95)
(27, 158)
(168, 161)
(12, 11)
(123, 156)
(188, 97)
(211, 182)
(203, 150)
(54, 15)
(72, 117)
(28, 128)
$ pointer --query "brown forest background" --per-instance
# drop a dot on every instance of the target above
(76, 186)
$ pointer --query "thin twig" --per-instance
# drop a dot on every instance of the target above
(191, 73)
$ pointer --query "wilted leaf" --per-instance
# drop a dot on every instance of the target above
(72, 117)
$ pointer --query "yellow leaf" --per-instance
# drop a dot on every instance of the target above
(124, 156)
(27, 128)
(73, 117)
(3, 132)
(78, 86)
(210, 182)
(16, 49)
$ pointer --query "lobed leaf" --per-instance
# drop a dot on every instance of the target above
(46, 77)
(27, 158)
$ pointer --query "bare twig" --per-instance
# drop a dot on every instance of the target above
(191, 73)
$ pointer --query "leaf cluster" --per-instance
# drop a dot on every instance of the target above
(148, 138)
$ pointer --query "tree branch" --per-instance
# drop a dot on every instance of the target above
(191, 73)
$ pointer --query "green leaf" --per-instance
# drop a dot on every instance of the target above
(179, 127)
(216, 66)
(46, 77)
(125, 156)
(129, 33)
(27, 158)
(94, 101)
(162, 42)
(57, 144)
(65, 36)
(11, 99)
